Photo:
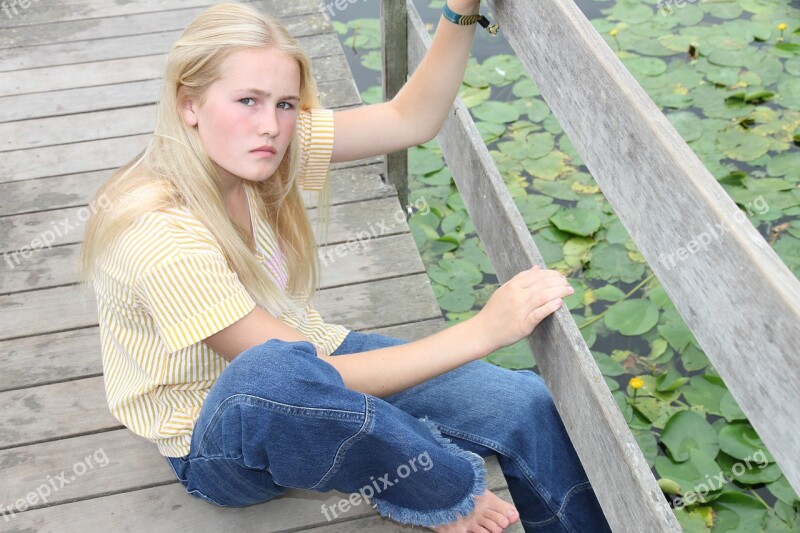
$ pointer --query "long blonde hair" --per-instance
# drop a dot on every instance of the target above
(175, 171)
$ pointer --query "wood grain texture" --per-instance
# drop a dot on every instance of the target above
(738, 298)
(75, 354)
(358, 306)
(348, 184)
(394, 54)
(622, 479)
(45, 161)
(168, 508)
(45, 12)
(154, 39)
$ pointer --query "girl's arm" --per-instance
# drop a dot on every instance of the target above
(416, 114)
(511, 313)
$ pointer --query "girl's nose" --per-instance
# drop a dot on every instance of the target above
(268, 124)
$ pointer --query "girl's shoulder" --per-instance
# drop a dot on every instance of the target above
(162, 236)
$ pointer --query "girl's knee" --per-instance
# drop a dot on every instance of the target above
(275, 366)
(532, 392)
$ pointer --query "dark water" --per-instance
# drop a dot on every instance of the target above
(484, 45)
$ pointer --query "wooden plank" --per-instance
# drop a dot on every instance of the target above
(728, 284)
(69, 129)
(28, 234)
(77, 407)
(66, 31)
(110, 153)
(394, 53)
(63, 128)
(87, 75)
(412, 330)
(70, 159)
(49, 12)
(159, 508)
(334, 94)
(622, 479)
(80, 100)
(111, 79)
(69, 355)
(107, 123)
(50, 358)
(115, 461)
(121, 45)
(71, 307)
(54, 411)
(348, 184)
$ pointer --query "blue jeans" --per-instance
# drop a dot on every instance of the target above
(280, 417)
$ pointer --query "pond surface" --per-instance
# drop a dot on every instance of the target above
(735, 99)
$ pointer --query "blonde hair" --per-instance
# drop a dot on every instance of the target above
(175, 171)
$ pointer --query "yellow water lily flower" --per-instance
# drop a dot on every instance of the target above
(613, 32)
(782, 26)
(636, 383)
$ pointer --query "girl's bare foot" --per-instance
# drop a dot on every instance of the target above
(491, 514)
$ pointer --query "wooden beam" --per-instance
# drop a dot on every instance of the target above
(735, 294)
(394, 49)
(616, 467)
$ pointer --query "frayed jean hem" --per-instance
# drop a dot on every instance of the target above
(439, 517)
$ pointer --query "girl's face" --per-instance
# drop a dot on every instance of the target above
(252, 104)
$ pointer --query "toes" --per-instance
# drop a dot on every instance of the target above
(489, 525)
(497, 517)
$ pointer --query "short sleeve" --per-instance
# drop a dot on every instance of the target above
(192, 296)
(315, 133)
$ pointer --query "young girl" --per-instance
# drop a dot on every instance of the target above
(203, 269)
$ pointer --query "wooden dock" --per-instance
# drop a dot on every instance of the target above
(78, 87)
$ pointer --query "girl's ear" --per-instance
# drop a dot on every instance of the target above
(187, 108)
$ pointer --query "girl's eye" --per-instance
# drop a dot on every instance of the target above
(290, 106)
(242, 100)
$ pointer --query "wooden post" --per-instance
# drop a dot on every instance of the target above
(394, 47)
(623, 482)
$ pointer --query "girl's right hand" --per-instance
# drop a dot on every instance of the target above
(520, 304)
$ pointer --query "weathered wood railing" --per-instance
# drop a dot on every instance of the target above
(737, 297)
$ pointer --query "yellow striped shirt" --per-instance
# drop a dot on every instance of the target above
(164, 286)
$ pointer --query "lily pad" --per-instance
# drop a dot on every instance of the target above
(577, 221)
(646, 66)
(705, 392)
(422, 161)
(738, 513)
(727, 58)
(686, 430)
(632, 317)
(497, 112)
(740, 440)
(699, 467)
(611, 262)
(781, 489)
(456, 301)
(730, 409)
(750, 472)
